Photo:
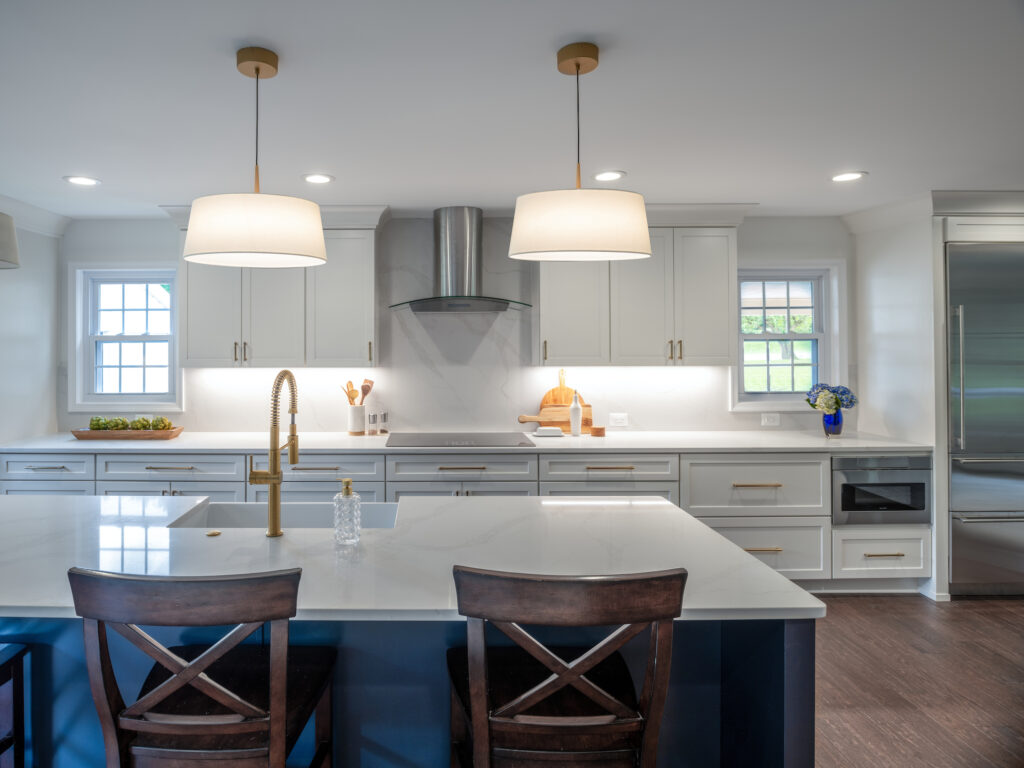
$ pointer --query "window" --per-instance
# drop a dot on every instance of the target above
(125, 356)
(790, 335)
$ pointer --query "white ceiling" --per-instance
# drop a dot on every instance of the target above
(424, 103)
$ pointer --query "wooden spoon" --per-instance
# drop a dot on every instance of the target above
(351, 392)
(367, 386)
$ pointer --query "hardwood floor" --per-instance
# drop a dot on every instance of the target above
(903, 681)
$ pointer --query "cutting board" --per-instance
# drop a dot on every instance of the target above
(558, 416)
(560, 395)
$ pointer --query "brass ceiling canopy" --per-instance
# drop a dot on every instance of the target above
(257, 62)
(583, 55)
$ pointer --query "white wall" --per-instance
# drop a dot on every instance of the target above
(895, 320)
(449, 372)
(28, 339)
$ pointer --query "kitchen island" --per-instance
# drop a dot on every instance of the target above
(743, 667)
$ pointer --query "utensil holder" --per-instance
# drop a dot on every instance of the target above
(357, 419)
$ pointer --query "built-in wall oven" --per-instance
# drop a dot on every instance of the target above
(868, 490)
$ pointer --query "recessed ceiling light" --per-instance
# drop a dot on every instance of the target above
(82, 181)
(850, 176)
(318, 178)
(609, 175)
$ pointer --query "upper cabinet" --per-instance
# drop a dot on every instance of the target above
(317, 316)
(676, 308)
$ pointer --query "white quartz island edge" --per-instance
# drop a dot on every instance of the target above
(727, 441)
(398, 574)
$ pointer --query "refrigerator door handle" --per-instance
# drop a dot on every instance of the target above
(961, 439)
(987, 461)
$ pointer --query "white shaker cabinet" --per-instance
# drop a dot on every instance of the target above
(243, 317)
(678, 307)
(340, 327)
(574, 326)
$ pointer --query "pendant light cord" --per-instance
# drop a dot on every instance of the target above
(256, 184)
(577, 125)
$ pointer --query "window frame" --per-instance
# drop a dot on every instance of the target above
(830, 277)
(83, 282)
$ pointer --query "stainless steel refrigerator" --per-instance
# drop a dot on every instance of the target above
(985, 291)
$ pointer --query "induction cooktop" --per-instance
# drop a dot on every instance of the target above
(458, 440)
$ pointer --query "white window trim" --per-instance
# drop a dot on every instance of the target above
(80, 398)
(836, 333)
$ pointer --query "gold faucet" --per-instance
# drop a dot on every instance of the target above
(272, 476)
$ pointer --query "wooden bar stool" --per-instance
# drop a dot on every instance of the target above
(530, 703)
(227, 704)
(12, 714)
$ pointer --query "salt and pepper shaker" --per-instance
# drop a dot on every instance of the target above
(371, 427)
(382, 428)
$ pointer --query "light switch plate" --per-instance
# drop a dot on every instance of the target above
(770, 419)
(618, 419)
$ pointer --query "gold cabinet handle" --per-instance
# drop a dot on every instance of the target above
(245, 351)
(165, 469)
(884, 554)
(236, 351)
(757, 485)
(680, 355)
(671, 350)
(762, 549)
(61, 468)
(545, 349)
(625, 468)
(369, 351)
(461, 469)
(315, 469)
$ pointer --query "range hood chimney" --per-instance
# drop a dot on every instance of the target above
(458, 266)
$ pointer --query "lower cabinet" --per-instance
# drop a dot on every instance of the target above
(667, 490)
(881, 551)
(216, 491)
(796, 547)
(317, 491)
(448, 488)
(47, 488)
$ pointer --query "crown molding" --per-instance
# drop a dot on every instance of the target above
(333, 216)
(34, 219)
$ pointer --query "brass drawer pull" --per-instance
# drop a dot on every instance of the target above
(884, 554)
(545, 349)
(671, 350)
(680, 349)
(236, 351)
(625, 468)
(369, 351)
(315, 469)
(762, 549)
(757, 485)
(171, 469)
(61, 468)
(461, 469)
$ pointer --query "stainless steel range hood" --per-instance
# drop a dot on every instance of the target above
(458, 266)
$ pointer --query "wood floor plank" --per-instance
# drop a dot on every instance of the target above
(903, 681)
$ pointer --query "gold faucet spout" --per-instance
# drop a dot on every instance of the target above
(272, 476)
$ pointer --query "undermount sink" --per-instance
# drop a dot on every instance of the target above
(296, 514)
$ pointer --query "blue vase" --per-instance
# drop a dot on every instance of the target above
(832, 423)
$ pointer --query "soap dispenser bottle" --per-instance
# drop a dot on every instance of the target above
(346, 515)
(576, 415)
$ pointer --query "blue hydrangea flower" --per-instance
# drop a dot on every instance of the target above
(844, 397)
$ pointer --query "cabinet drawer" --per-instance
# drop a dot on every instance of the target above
(881, 552)
(139, 488)
(47, 488)
(667, 490)
(796, 547)
(132, 466)
(718, 486)
(47, 466)
(321, 491)
(442, 488)
(216, 491)
(610, 466)
(327, 467)
(475, 467)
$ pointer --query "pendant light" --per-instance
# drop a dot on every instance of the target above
(8, 243)
(579, 224)
(255, 230)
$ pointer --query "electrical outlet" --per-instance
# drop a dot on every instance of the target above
(770, 420)
(618, 419)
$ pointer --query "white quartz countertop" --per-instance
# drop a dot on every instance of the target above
(721, 441)
(395, 574)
